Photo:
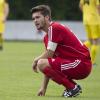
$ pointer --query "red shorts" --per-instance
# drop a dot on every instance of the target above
(73, 69)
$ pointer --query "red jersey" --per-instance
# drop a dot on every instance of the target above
(64, 43)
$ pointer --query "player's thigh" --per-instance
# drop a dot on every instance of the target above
(2, 27)
(72, 68)
(95, 31)
(77, 69)
(55, 63)
(63, 64)
(88, 31)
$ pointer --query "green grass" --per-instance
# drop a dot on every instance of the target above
(19, 82)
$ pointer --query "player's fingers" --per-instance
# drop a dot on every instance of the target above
(35, 70)
(34, 66)
(40, 94)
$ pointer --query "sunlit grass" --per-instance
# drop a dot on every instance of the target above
(19, 82)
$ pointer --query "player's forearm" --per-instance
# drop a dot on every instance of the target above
(46, 54)
(39, 57)
(45, 82)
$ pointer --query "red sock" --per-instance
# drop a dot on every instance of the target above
(58, 77)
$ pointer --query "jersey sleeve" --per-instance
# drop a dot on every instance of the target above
(54, 37)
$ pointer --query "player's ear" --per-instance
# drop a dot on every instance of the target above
(47, 17)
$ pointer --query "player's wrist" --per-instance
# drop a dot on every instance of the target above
(43, 88)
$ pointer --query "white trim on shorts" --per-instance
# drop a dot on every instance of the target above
(70, 65)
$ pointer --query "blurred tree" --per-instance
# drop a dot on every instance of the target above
(61, 9)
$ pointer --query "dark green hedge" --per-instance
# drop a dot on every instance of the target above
(61, 9)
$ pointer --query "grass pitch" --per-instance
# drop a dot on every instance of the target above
(19, 82)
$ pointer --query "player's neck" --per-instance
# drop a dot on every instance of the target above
(46, 27)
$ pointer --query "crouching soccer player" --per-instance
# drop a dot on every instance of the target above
(65, 59)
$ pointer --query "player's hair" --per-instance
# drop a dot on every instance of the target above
(44, 9)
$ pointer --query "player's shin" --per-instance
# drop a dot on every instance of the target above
(58, 77)
(94, 50)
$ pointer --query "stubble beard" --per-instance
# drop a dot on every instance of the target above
(43, 26)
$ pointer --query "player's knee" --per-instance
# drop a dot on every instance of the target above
(41, 64)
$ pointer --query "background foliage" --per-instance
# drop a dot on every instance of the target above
(61, 9)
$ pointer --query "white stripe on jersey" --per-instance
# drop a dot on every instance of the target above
(50, 33)
(51, 45)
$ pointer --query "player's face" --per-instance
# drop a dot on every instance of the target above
(39, 20)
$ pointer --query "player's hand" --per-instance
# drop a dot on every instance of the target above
(34, 65)
(41, 92)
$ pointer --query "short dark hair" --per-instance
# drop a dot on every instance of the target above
(44, 9)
